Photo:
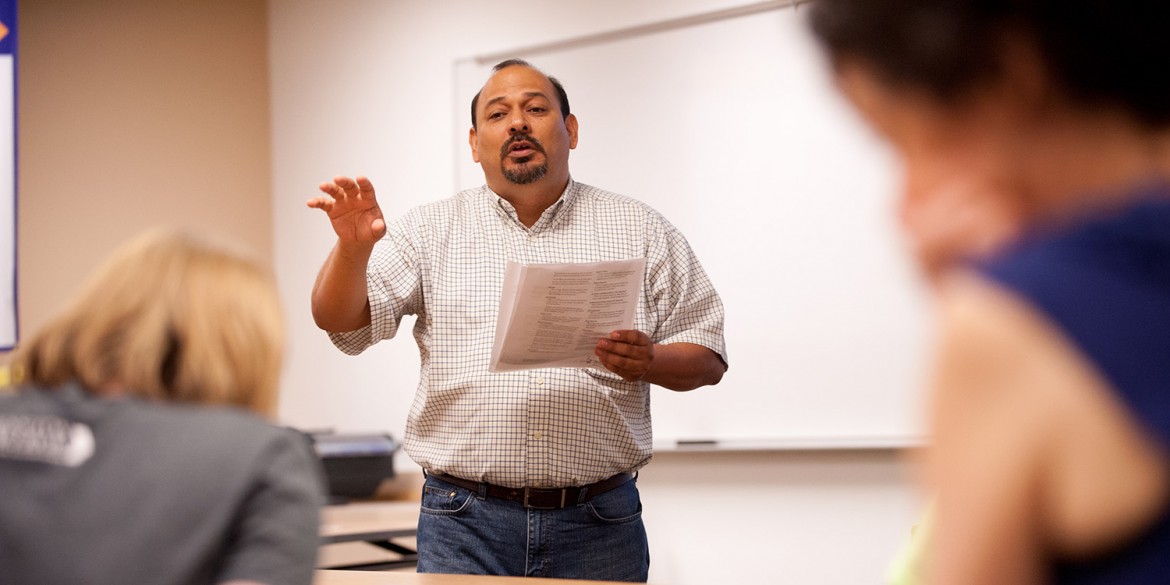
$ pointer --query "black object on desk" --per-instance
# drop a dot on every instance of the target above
(355, 464)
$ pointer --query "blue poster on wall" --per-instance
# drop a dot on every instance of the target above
(8, 328)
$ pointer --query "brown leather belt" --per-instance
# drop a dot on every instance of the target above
(540, 498)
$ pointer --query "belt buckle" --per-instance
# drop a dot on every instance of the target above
(527, 491)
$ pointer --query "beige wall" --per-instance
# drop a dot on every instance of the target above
(136, 113)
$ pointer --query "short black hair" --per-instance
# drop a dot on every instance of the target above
(562, 97)
(1110, 53)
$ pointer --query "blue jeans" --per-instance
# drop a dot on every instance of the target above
(462, 531)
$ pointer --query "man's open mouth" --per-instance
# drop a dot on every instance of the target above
(522, 148)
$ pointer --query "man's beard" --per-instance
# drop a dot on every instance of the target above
(525, 174)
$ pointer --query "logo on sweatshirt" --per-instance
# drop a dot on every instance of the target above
(46, 439)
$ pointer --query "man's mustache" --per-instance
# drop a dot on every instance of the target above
(507, 146)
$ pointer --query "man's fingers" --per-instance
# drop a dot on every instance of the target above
(323, 203)
(614, 347)
(342, 187)
(628, 342)
(331, 189)
(631, 336)
(365, 188)
(627, 353)
(627, 368)
(625, 364)
(622, 350)
(347, 185)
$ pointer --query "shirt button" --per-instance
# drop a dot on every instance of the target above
(537, 435)
(538, 381)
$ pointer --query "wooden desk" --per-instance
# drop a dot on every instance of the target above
(376, 523)
(381, 578)
(368, 521)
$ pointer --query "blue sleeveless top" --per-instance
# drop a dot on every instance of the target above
(1104, 281)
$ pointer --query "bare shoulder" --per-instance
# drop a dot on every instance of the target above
(987, 439)
(1031, 445)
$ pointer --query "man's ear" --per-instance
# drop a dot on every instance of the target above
(471, 140)
(571, 127)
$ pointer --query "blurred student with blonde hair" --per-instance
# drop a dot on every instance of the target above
(1035, 138)
(136, 447)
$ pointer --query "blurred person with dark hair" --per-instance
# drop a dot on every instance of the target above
(1035, 139)
(136, 447)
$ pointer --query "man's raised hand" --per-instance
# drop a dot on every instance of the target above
(352, 208)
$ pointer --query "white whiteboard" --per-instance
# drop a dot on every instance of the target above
(731, 128)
